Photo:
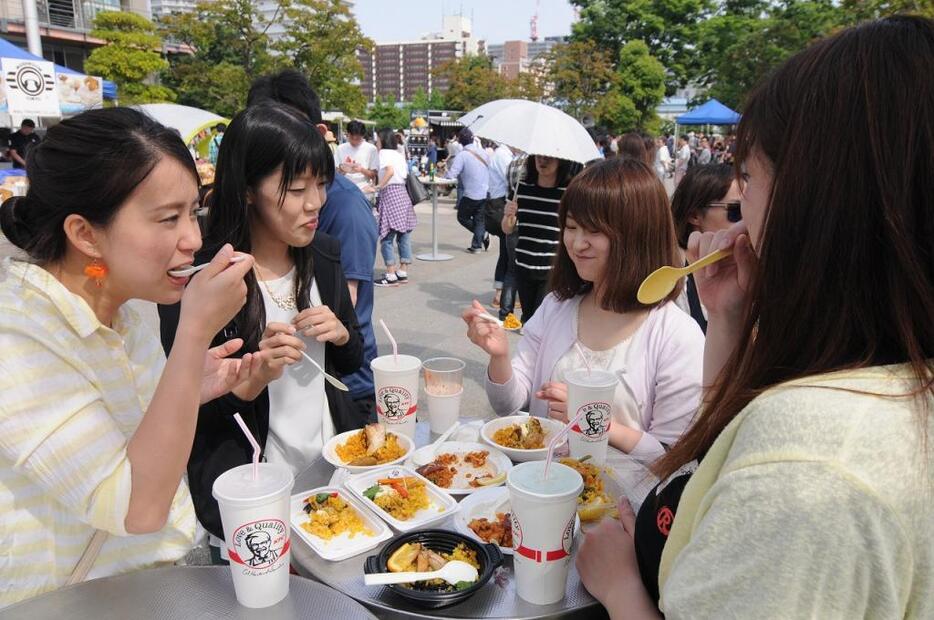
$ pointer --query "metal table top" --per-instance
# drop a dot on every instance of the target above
(497, 599)
(181, 593)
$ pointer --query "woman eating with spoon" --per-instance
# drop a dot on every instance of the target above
(616, 228)
(96, 425)
(272, 171)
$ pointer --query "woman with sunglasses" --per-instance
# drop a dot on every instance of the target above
(707, 200)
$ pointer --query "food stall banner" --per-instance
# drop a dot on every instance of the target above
(77, 93)
(29, 87)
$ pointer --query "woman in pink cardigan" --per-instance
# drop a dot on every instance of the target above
(616, 229)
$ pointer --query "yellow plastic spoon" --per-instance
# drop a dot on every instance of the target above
(661, 281)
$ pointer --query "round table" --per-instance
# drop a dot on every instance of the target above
(434, 184)
(497, 599)
(182, 593)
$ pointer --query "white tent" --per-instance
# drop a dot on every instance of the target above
(187, 120)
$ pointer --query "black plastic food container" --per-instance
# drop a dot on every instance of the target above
(443, 541)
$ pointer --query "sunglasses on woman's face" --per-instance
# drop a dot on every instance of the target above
(733, 213)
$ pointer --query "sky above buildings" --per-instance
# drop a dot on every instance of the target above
(494, 21)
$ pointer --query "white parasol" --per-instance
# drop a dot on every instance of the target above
(535, 128)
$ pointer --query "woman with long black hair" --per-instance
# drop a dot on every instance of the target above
(272, 171)
(812, 457)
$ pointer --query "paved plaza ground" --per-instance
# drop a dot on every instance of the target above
(425, 314)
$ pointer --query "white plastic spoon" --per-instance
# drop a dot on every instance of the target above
(187, 271)
(332, 380)
(453, 573)
(426, 455)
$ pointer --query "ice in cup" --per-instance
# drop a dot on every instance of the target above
(444, 386)
(543, 512)
(591, 392)
(395, 379)
(255, 516)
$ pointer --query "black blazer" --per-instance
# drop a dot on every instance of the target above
(219, 443)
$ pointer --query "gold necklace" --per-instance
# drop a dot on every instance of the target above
(286, 302)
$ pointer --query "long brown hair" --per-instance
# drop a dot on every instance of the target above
(846, 258)
(623, 199)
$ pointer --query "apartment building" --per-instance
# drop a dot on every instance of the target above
(399, 69)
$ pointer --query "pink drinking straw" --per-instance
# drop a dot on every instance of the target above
(252, 441)
(395, 347)
(580, 351)
(558, 438)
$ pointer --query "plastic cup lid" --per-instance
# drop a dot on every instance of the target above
(562, 482)
(388, 363)
(236, 486)
(591, 378)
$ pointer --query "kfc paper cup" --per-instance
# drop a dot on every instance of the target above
(543, 514)
(255, 516)
(593, 392)
(395, 380)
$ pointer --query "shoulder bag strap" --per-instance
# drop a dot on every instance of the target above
(83, 567)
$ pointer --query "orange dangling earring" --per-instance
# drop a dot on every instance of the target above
(97, 271)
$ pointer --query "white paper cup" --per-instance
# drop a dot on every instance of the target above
(543, 514)
(255, 516)
(396, 385)
(593, 392)
(443, 410)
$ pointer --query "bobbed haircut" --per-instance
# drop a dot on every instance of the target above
(88, 165)
(700, 186)
(623, 199)
(387, 138)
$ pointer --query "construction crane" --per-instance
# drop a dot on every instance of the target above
(533, 24)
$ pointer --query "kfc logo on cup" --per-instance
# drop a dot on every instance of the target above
(394, 403)
(595, 422)
(260, 544)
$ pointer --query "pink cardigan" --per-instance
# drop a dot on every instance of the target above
(663, 370)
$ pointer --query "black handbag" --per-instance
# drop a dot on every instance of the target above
(417, 191)
(493, 212)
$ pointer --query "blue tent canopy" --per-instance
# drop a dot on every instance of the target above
(9, 50)
(711, 113)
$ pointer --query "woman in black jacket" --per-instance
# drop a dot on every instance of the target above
(272, 171)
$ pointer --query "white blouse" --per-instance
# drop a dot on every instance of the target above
(625, 409)
(299, 417)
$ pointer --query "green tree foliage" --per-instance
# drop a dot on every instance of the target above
(639, 86)
(579, 75)
(423, 101)
(667, 27)
(472, 81)
(229, 48)
(742, 46)
(859, 10)
(130, 58)
(321, 40)
(386, 112)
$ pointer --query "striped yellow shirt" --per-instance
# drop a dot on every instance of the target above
(72, 392)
